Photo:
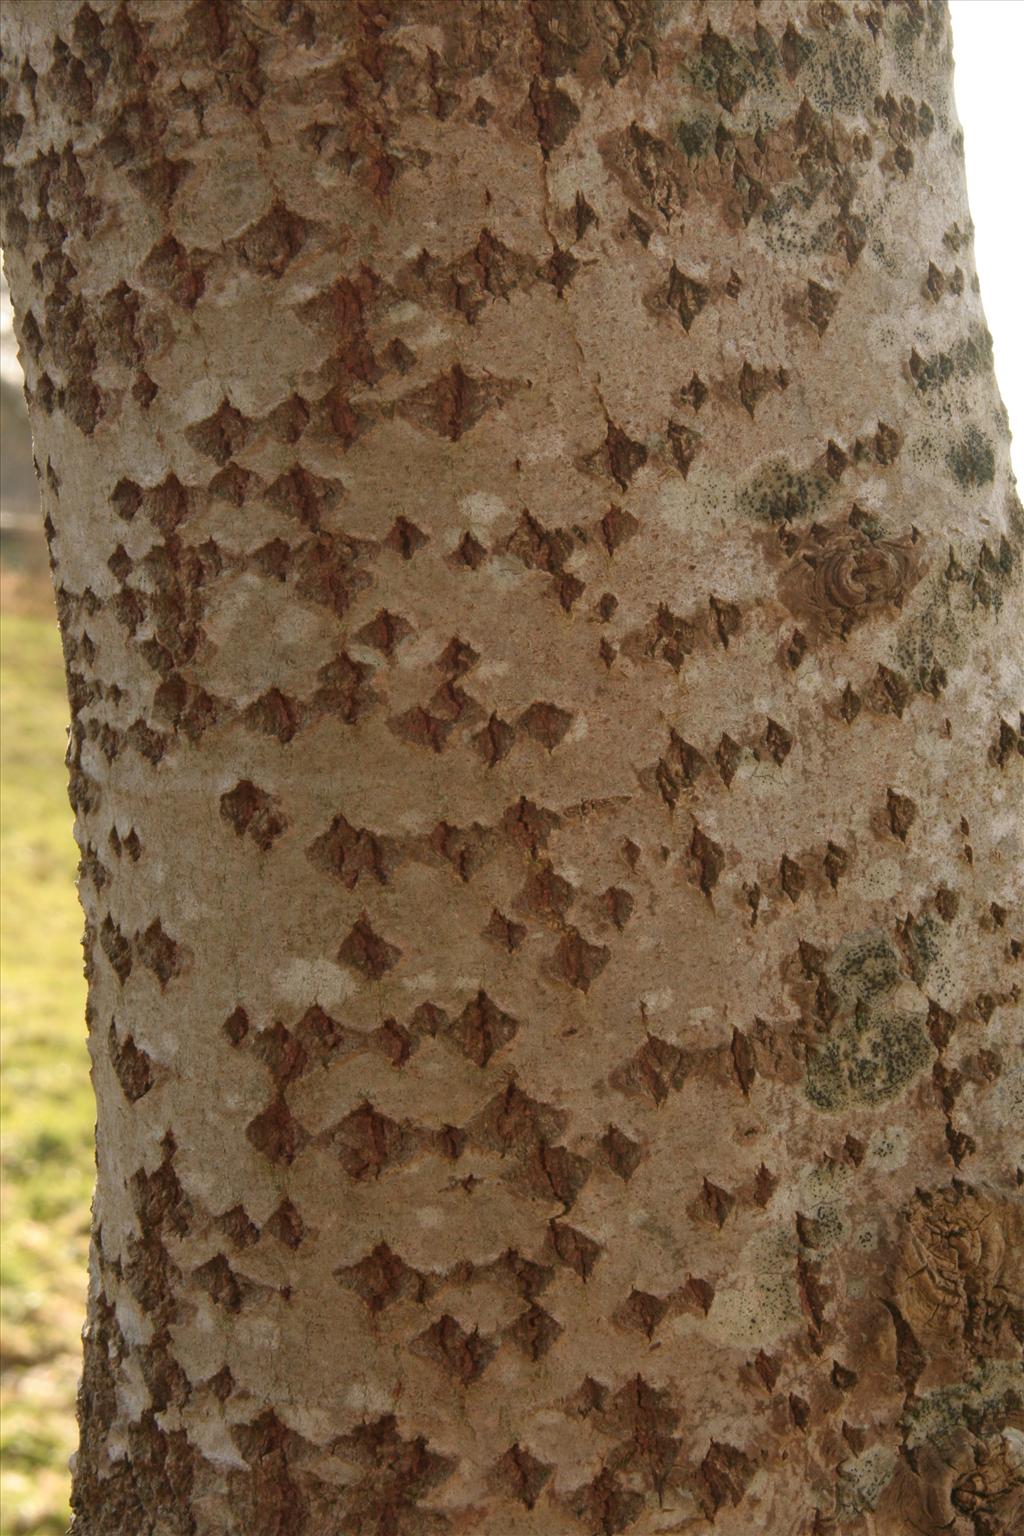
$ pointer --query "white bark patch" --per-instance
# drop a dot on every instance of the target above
(304, 982)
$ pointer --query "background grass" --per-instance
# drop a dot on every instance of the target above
(46, 1106)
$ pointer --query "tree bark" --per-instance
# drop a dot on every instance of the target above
(537, 564)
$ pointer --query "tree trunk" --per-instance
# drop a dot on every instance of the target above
(536, 556)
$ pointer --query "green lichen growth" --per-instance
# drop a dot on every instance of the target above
(972, 460)
(936, 638)
(870, 1060)
(982, 1404)
(844, 76)
(778, 493)
(863, 968)
(695, 136)
(874, 1049)
(924, 937)
(969, 355)
(862, 1482)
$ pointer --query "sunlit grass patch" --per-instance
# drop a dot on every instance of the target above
(45, 1097)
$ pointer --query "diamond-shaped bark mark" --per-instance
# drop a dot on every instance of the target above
(394, 1042)
(287, 421)
(709, 858)
(552, 1173)
(237, 1227)
(428, 1019)
(463, 1356)
(620, 1152)
(392, 1477)
(743, 1061)
(276, 1133)
(684, 444)
(714, 1204)
(657, 1068)
(520, 1475)
(792, 878)
(778, 741)
(169, 269)
(538, 547)
(273, 241)
(513, 1122)
(521, 1275)
(405, 538)
(902, 813)
(268, 1443)
(132, 1065)
(221, 1284)
(617, 528)
(560, 269)
(732, 73)
(641, 1311)
(117, 947)
(618, 905)
(508, 935)
(468, 553)
(482, 1028)
(697, 1293)
(533, 1332)
(529, 825)
(281, 1052)
(325, 568)
(554, 113)
(574, 1249)
(159, 953)
(454, 402)
(382, 1278)
(755, 383)
(466, 849)
(695, 393)
(605, 1506)
(835, 863)
(725, 1474)
(384, 631)
(350, 853)
(457, 658)
(546, 894)
(367, 1142)
(726, 618)
(579, 962)
(679, 769)
(423, 729)
(623, 455)
(642, 1418)
(685, 296)
(344, 693)
(819, 306)
(546, 723)
(452, 703)
(366, 952)
(221, 435)
(275, 714)
(490, 270)
(495, 740)
(158, 1199)
(236, 1026)
(253, 811)
(673, 639)
(305, 496)
(286, 1225)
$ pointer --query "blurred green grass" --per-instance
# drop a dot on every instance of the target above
(46, 1106)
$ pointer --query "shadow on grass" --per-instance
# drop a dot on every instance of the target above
(46, 1099)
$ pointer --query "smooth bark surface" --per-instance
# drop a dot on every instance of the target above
(537, 562)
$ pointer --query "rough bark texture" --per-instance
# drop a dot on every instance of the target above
(537, 564)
